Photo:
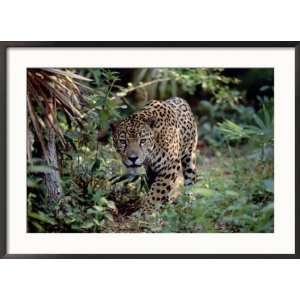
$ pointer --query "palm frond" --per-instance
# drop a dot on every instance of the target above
(50, 91)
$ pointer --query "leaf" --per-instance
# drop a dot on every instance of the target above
(69, 220)
(87, 225)
(122, 178)
(40, 216)
(96, 165)
(206, 105)
(101, 100)
(99, 198)
(76, 227)
(96, 222)
(90, 211)
(33, 182)
(232, 194)
(109, 217)
(269, 185)
(67, 104)
(144, 184)
(232, 131)
(111, 205)
(90, 189)
(66, 73)
(39, 169)
(258, 121)
(264, 88)
(208, 193)
(98, 208)
(38, 226)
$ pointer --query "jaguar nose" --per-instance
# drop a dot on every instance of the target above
(133, 158)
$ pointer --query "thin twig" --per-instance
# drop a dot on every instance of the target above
(143, 85)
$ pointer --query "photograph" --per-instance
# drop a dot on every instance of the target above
(150, 150)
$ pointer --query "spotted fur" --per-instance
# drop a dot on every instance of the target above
(163, 138)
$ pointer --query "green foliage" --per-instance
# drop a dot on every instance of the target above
(173, 82)
(258, 132)
(261, 132)
(234, 192)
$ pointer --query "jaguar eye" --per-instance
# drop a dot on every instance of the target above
(123, 142)
(143, 141)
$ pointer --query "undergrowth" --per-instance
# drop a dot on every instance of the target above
(233, 193)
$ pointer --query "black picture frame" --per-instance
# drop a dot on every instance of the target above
(135, 44)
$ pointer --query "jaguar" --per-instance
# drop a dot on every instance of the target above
(162, 137)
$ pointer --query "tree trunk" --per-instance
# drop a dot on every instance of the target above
(52, 178)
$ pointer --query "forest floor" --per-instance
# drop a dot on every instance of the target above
(232, 194)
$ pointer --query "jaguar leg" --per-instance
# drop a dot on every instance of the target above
(151, 175)
(162, 186)
(189, 168)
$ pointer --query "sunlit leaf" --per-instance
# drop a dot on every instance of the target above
(40, 216)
